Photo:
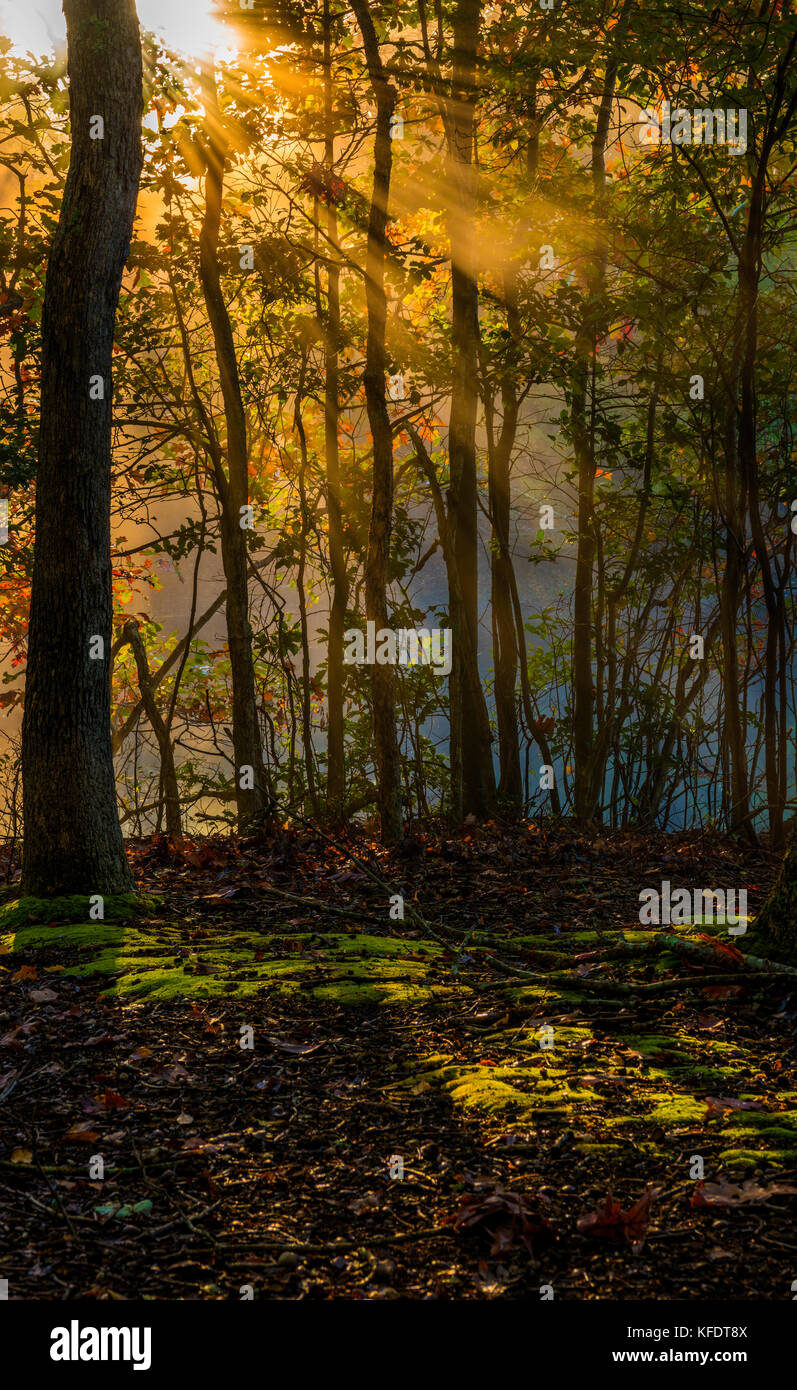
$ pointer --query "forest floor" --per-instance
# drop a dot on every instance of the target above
(291, 1090)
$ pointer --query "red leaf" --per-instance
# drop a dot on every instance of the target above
(610, 1222)
(111, 1100)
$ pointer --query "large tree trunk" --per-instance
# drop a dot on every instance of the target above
(73, 840)
(382, 677)
(775, 928)
(250, 791)
(478, 776)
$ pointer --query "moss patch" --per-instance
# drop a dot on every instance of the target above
(677, 1110)
(522, 1088)
(159, 961)
(122, 907)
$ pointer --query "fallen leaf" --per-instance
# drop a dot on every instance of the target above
(722, 948)
(717, 1105)
(732, 1194)
(81, 1133)
(111, 1100)
(610, 1222)
(509, 1217)
(370, 1202)
(25, 972)
(21, 1156)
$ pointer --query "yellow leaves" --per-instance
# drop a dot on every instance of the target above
(21, 1156)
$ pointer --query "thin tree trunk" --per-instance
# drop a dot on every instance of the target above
(336, 780)
(382, 676)
(72, 836)
(582, 427)
(749, 270)
(233, 489)
(171, 790)
(499, 454)
(480, 733)
(306, 692)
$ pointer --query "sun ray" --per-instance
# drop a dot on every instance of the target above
(187, 26)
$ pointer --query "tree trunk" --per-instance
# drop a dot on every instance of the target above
(308, 750)
(582, 427)
(382, 677)
(171, 790)
(749, 270)
(775, 927)
(336, 780)
(478, 775)
(480, 733)
(233, 489)
(73, 840)
(510, 786)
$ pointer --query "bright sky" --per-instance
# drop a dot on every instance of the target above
(39, 25)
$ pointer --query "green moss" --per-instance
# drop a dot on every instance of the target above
(677, 1110)
(493, 1089)
(682, 1056)
(756, 1158)
(606, 1149)
(119, 908)
(778, 1128)
(532, 994)
(528, 1040)
(552, 941)
(160, 961)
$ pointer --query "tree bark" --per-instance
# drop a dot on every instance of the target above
(73, 840)
(499, 454)
(481, 733)
(233, 488)
(586, 796)
(308, 750)
(478, 775)
(171, 790)
(775, 927)
(382, 677)
(336, 781)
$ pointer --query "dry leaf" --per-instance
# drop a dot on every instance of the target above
(732, 1194)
